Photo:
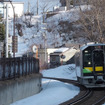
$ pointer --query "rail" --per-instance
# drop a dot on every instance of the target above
(15, 67)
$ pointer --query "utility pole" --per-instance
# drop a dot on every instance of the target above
(28, 11)
(37, 6)
(45, 40)
(45, 47)
(68, 4)
(14, 37)
(6, 41)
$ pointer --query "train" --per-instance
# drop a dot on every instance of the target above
(62, 56)
(90, 65)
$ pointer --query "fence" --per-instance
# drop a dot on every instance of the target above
(16, 67)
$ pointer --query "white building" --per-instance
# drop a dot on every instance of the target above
(1, 8)
(18, 6)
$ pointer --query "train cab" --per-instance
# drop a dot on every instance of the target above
(91, 65)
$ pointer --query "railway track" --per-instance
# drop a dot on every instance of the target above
(90, 97)
(86, 96)
(97, 98)
(85, 93)
(78, 101)
(100, 101)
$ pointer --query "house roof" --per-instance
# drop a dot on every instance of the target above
(14, 2)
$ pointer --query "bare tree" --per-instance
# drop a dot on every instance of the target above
(93, 20)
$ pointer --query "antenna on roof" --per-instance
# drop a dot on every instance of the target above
(37, 6)
(28, 9)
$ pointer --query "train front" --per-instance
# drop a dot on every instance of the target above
(92, 59)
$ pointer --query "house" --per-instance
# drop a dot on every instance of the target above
(1, 9)
(79, 2)
(18, 7)
(70, 3)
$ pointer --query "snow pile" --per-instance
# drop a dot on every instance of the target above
(61, 72)
(53, 92)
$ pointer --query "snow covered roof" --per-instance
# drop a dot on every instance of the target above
(61, 50)
(13, 2)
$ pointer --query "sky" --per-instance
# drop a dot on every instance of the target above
(54, 92)
(41, 3)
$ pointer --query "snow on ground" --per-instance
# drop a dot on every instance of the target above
(66, 72)
(54, 92)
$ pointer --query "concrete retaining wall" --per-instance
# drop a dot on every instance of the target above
(13, 90)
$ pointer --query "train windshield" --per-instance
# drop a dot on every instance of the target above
(87, 58)
(98, 57)
(93, 60)
(54, 58)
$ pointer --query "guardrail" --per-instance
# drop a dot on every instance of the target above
(16, 67)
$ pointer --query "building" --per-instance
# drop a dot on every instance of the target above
(62, 56)
(44, 56)
(79, 2)
(18, 7)
(1, 9)
(70, 3)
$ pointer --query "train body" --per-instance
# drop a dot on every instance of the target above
(61, 56)
(90, 65)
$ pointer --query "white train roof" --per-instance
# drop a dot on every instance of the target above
(90, 44)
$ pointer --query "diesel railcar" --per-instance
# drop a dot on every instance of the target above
(90, 65)
(62, 56)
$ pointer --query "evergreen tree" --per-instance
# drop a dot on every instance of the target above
(2, 30)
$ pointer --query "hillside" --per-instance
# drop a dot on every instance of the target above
(60, 29)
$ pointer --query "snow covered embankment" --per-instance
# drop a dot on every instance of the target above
(54, 92)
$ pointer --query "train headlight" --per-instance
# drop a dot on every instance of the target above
(86, 51)
(89, 63)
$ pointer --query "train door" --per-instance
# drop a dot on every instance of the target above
(98, 62)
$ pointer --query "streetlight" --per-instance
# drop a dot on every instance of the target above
(44, 35)
(13, 39)
(6, 40)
